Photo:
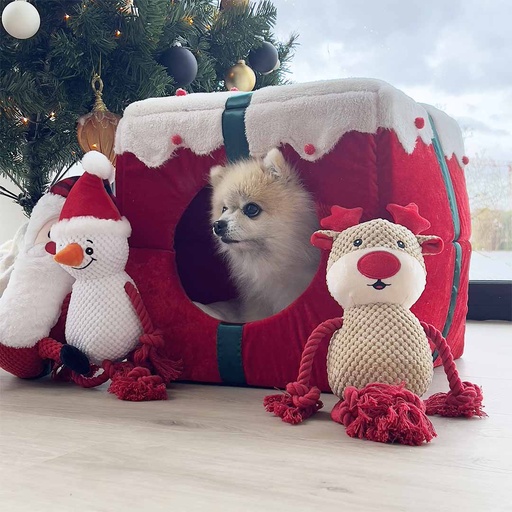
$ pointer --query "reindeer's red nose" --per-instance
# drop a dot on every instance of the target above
(378, 265)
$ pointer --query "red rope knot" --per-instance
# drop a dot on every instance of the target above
(138, 372)
(154, 339)
(302, 395)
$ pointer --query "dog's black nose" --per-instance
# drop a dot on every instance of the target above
(220, 227)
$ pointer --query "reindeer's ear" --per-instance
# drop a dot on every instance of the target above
(430, 244)
(217, 174)
(275, 163)
(324, 238)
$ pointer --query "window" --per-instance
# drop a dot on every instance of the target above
(453, 55)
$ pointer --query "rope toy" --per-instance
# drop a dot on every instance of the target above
(109, 334)
(379, 361)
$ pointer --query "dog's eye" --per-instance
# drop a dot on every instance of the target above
(357, 242)
(224, 209)
(251, 210)
(400, 244)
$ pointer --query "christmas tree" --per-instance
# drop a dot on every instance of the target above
(45, 79)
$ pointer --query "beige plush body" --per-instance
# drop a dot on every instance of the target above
(379, 343)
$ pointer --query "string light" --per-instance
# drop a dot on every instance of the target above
(189, 20)
(24, 120)
(117, 33)
(66, 17)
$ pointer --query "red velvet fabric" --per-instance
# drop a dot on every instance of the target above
(173, 261)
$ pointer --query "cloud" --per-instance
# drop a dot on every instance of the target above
(453, 45)
(474, 125)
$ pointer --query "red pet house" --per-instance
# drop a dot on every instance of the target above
(355, 142)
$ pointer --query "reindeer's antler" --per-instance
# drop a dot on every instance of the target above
(342, 218)
(409, 217)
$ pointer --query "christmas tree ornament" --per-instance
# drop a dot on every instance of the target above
(264, 58)
(21, 19)
(96, 130)
(181, 65)
(240, 76)
(276, 67)
(130, 10)
(228, 4)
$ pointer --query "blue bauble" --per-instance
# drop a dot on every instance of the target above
(181, 65)
(263, 59)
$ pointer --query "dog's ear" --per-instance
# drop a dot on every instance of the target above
(275, 163)
(217, 173)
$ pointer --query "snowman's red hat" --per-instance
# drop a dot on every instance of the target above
(88, 208)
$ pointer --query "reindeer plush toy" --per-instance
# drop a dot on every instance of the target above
(379, 360)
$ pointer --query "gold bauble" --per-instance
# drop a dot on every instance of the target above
(227, 4)
(240, 76)
(97, 129)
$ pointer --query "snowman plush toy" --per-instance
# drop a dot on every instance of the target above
(106, 320)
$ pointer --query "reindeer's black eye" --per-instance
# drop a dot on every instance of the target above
(357, 242)
(224, 209)
(251, 210)
(89, 251)
(400, 244)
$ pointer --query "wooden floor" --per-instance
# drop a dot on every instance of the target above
(210, 448)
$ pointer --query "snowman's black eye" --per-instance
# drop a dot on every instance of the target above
(357, 242)
(89, 251)
(400, 244)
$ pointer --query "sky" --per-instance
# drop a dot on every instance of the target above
(453, 54)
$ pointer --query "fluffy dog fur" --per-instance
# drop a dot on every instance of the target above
(269, 255)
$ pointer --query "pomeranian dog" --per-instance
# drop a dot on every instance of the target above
(262, 220)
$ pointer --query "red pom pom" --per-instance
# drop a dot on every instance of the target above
(181, 92)
(176, 140)
(465, 160)
(419, 122)
(309, 149)
(138, 386)
(384, 413)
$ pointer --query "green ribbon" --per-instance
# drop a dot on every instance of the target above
(456, 229)
(229, 336)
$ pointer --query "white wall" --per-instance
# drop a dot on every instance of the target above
(11, 214)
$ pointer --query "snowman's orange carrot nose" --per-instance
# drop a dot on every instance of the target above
(72, 255)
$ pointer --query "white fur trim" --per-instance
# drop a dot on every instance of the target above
(8, 253)
(85, 225)
(31, 303)
(47, 208)
(317, 113)
(98, 164)
(449, 133)
(147, 127)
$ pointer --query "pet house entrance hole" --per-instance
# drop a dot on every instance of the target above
(203, 273)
